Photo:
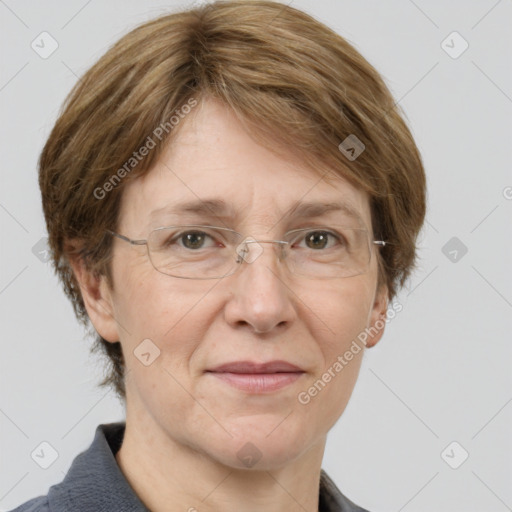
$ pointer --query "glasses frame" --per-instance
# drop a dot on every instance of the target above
(240, 259)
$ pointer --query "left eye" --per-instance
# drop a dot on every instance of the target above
(320, 240)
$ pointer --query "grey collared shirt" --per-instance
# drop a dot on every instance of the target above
(95, 483)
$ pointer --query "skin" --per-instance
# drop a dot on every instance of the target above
(185, 427)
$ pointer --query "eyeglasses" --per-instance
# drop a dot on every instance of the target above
(211, 252)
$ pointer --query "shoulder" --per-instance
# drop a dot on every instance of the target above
(91, 479)
(39, 504)
(332, 499)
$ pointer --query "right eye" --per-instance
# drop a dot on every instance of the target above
(192, 240)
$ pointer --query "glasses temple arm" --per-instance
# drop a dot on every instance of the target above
(126, 239)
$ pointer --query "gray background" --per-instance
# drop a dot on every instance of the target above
(441, 372)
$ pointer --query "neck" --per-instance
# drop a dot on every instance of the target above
(168, 476)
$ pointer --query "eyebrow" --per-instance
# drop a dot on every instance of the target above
(219, 208)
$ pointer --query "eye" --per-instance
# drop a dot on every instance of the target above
(320, 239)
(194, 240)
(187, 240)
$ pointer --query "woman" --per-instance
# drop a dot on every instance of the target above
(232, 200)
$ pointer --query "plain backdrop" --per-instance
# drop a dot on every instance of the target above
(436, 389)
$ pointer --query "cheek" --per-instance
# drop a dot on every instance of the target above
(338, 313)
(167, 319)
(150, 303)
(174, 314)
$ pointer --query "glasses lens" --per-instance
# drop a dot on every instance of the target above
(329, 252)
(194, 251)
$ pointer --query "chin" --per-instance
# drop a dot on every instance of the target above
(260, 445)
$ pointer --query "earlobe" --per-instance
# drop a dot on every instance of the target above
(378, 317)
(97, 297)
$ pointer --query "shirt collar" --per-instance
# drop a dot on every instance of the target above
(95, 483)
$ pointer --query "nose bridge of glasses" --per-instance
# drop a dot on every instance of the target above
(250, 249)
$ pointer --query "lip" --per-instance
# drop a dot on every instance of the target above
(248, 367)
(257, 377)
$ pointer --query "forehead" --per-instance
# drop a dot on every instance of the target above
(213, 166)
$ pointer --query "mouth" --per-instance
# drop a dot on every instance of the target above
(257, 377)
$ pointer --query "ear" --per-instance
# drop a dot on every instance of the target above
(97, 297)
(377, 319)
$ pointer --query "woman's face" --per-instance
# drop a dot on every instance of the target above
(262, 313)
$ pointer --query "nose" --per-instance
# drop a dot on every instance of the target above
(261, 298)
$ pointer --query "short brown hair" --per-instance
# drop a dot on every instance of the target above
(291, 80)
